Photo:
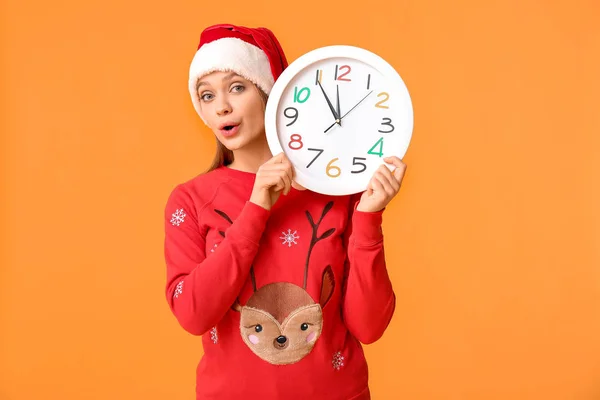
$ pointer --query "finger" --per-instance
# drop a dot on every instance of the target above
(399, 173)
(290, 167)
(284, 158)
(393, 160)
(286, 161)
(274, 167)
(276, 159)
(273, 180)
(385, 171)
(288, 181)
(297, 186)
(279, 159)
(370, 184)
(400, 167)
(284, 175)
(369, 189)
(281, 183)
(376, 185)
(291, 172)
(285, 168)
(385, 184)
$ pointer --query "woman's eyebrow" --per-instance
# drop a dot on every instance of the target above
(227, 77)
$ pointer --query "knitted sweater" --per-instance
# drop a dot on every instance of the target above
(284, 297)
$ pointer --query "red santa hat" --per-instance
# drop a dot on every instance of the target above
(253, 53)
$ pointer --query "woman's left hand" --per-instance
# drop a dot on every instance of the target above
(383, 186)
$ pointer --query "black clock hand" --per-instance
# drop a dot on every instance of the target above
(361, 100)
(335, 115)
(338, 104)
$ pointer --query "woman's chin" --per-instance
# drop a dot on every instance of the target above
(234, 143)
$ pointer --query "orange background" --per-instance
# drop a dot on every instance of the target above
(493, 244)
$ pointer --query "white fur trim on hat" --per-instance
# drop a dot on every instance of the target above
(230, 54)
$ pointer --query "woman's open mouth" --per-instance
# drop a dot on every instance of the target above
(229, 130)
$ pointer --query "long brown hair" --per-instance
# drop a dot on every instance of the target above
(224, 156)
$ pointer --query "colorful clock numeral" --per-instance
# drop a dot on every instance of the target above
(319, 77)
(380, 144)
(359, 165)
(314, 159)
(387, 123)
(380, 103)
(298, 94)
(334, 171)
(347, 68)
(295, 142)
(333, 168)
(294, 115)
(354, 162)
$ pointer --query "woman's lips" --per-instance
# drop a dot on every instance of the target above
(231, 132)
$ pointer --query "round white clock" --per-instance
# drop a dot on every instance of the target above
(336, 112)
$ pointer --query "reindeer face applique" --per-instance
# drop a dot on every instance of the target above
(281, 322)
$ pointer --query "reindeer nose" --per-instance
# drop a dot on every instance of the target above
(281, 342)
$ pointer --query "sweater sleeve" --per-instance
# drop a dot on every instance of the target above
(201, 289)
(369, 299)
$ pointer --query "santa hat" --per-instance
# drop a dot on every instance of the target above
(253, 53)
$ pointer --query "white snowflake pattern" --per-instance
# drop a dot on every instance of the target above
(214, 248)
(213, 335)
(178, 217)
(338, 361)
(289, 237)
(178, 290)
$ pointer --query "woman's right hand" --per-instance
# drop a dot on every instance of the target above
(274, 177)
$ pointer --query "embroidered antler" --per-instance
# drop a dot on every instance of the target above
(281, 322)
(226, 217)
(315, 239)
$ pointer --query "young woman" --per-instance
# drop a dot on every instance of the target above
(283, 284)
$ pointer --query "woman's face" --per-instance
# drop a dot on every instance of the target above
(233, 108)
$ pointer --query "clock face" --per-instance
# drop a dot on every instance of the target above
(337, 112)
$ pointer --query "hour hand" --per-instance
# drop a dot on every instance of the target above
(335, 114)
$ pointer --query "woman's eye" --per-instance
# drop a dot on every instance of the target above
(237, 88)
(206, 97)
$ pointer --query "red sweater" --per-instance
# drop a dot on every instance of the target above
(283, 298)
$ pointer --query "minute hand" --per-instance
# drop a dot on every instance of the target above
(335, 114)
(356, 105)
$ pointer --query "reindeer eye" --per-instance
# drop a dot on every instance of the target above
(258, 328)
(304, 326)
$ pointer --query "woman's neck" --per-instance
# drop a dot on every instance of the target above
(251, 157)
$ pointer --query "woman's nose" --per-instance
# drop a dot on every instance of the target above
(224, 108)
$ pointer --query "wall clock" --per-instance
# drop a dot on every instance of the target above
(336, 112)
